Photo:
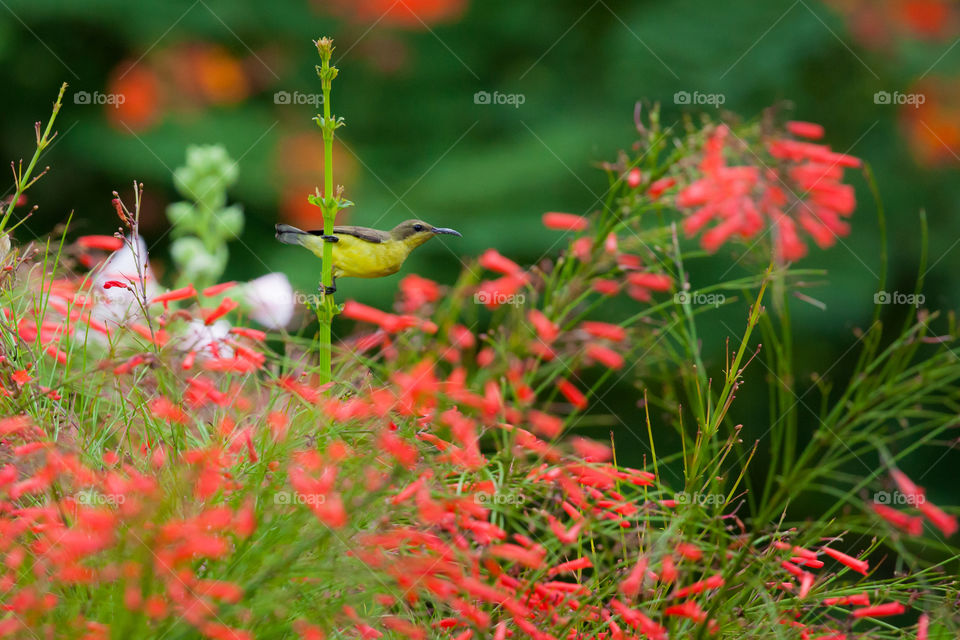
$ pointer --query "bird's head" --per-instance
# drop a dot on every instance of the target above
(414, 233)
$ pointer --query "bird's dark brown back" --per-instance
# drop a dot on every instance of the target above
(364, 233)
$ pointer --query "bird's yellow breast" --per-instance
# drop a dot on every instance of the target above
(356, 258)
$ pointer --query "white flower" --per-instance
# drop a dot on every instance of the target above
(209, 341)
(270, 300)
(127, 265)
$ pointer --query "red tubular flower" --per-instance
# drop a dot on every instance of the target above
(545, 425)
(565, 536)
(858, 599)
(177, 294)
(605, 287)
(611, 244)
(21, 377)
(217, 289)
(546, 330)
(582, 249)
(494, 293)
(634, 178)
(907, 487)
(564, 221)
(688, 609)
(604, 330)
(689, 551)
(713, 582)
(941, 520)
(631, 585)
(251, 334)
(668, 569)
(417, 291)
(591, 450)
(102, 243)
(402, 627)
(923, 626)
(604, 355)
(514, 553)
(57, 354)
(808, 130)
(363, 313)
(860, 566)
(629, 262)
(806, 582)
(225, 307)
(651, 281)
(128, 366)
(659, 187)
(494, 261)
(912, 525)
(573, 395)
(879, 611)
(571, 566)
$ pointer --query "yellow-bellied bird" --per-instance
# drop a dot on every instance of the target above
(361, 252)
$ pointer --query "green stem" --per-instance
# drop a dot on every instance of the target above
(23, 180)
(329, 205)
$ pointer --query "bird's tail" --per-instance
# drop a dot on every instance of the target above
(290, 235)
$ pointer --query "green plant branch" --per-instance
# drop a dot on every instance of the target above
(23, 177)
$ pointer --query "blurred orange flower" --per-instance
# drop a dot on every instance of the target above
(876, 22)
(140, 88)
(933, 127)
(405, 13)
(219, 75)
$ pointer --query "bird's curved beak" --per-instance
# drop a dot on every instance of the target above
(446, 231)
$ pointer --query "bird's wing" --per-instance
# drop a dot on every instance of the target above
(363, 233)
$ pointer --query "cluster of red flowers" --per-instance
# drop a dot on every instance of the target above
(800, 189)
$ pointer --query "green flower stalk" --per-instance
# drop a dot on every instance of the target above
(203, 226)
(330, 202)
(24, 178)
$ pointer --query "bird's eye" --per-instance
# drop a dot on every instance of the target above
(418, 227)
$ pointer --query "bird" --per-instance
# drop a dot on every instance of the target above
(362, 252)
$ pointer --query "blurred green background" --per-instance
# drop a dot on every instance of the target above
(418, 144)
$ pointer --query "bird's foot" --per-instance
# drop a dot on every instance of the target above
(330, 238)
